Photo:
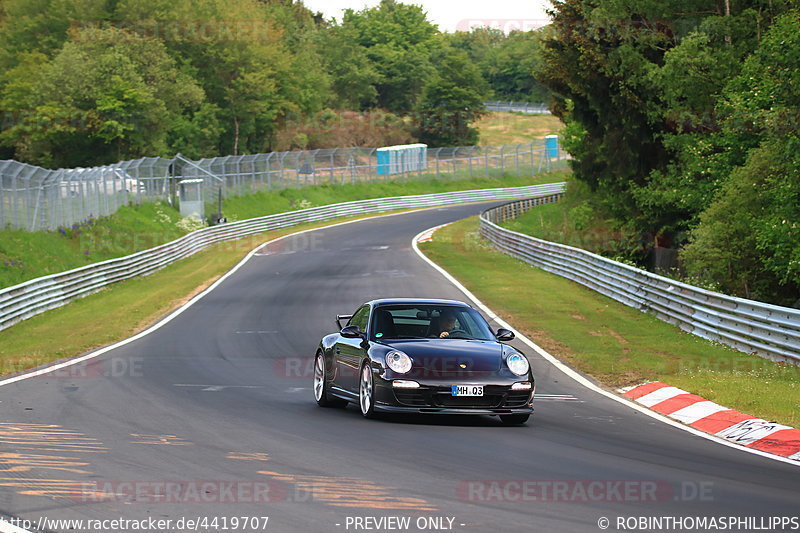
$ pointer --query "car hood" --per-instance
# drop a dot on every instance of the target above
(447, 357)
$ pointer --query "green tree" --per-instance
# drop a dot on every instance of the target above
(509, 67)
(749, 237)
(398, 39)
(354, 75)
(114, 95)
(477, 43)
(43, 25)
(241, 56)
(451, 100)
(638, 82)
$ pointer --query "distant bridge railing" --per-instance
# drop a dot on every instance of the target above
(518, 107)
(38, 295)
(749, 326)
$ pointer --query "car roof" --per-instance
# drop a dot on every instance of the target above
(408, 301)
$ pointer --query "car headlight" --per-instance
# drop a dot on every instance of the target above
(517, 364)
(398, 361)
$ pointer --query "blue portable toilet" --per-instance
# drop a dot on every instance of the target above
(402, 158)
(383, 160)
(551, 145)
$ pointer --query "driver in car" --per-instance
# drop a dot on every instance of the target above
(446, 324)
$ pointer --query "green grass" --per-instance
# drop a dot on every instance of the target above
(262, 203)
(512, 128)
(613, 343)
(25, 255)
(28, 255)
(575, 221)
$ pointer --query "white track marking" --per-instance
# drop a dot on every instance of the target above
(580, 379)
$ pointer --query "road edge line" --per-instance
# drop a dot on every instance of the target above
(579, 378)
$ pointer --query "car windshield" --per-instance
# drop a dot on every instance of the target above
(428, 321)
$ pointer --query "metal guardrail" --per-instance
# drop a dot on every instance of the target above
(519, 107)
(749, 326)
(41, 294)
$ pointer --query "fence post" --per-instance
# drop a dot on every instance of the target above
(3, 196)
(533, 162)
(14, 202)
(283, 181)
(269, 171)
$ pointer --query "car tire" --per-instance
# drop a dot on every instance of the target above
(321, 386)
(514, 420)
(366, 391)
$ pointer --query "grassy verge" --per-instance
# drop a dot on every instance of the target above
(27, 255)
(615, 344)
(512, 128)
(126, 307)
(575, 221)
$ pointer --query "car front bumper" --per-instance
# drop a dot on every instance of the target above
(434, 397)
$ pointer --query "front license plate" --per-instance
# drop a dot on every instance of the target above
(466, 390)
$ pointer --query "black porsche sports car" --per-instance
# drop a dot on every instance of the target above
(423, 356)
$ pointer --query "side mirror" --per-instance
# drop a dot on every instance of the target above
(351, 332)
(504, 335)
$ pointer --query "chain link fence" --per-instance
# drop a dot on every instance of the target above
(36, 199)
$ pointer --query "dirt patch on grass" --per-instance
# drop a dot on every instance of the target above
(547, 343)
(620, 338)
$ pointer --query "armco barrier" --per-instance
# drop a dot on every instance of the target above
(752, 327)
(38, 295)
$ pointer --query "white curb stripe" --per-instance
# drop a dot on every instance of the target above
(582, 380)
(660, 395)
(795, 457)
(697, 411)
(427, 236)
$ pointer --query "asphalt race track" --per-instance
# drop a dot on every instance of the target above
(212, 415)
